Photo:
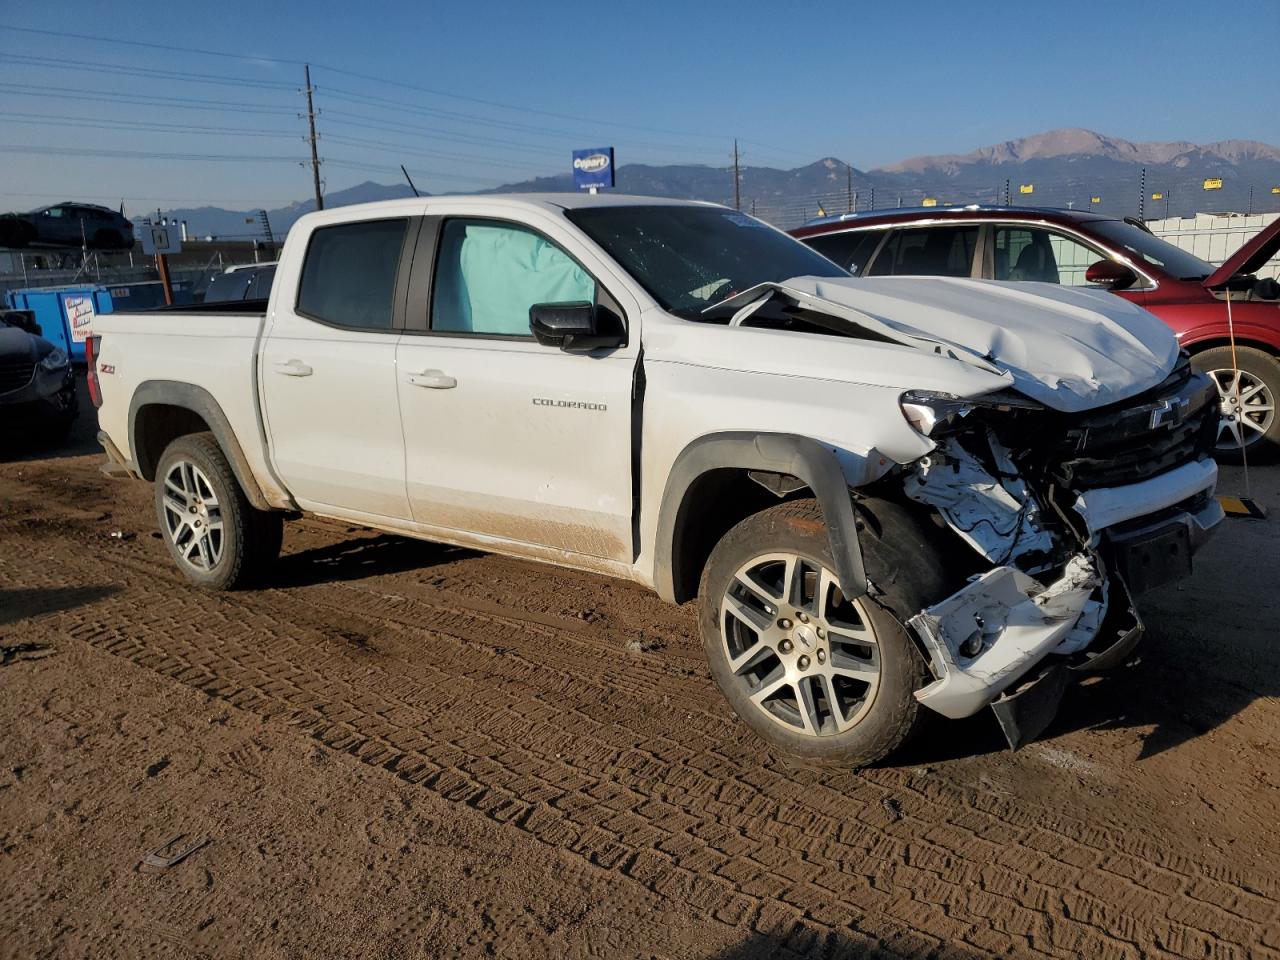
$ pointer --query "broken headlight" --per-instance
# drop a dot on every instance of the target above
(927, 410)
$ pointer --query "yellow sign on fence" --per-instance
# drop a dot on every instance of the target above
(1157, 196)
(1027, 188)
(1095, 199)
(1275, 189)
(1213, 183)
(929, 202)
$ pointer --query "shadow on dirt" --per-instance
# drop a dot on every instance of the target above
(802, 944)
(359, 558)
(18, 604)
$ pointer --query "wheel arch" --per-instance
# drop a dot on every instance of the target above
(163, 410)
(1218, 340)
(709, 489)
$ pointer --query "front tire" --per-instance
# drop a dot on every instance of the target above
(217, 539)
(826, 680)
(1248, 392)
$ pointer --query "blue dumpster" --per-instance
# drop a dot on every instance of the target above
(66, 314)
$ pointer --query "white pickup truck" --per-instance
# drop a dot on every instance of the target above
(888, 496)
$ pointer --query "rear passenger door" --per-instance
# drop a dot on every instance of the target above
(328, 370)
(504, 437)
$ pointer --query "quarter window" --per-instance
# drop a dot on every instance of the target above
(349, 276)
(488, 274)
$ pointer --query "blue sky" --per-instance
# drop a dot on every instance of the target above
(485, 93)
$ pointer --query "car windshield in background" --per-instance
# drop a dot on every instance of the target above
(689, 258)
(1159, 253)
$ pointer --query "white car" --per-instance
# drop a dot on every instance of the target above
(888, 496)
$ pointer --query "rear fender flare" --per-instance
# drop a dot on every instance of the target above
(200, 401)
(816, 464)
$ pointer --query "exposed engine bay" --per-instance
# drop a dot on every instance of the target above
(1044, 498)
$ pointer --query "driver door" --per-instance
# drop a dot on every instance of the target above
(504, 437)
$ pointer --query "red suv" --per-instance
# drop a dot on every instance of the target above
(1085, 249)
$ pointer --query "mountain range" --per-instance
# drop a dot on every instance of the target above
(1066, 167)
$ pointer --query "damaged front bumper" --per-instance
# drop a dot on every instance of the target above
(1012, 636)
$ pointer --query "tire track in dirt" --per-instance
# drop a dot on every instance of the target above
(544, 733)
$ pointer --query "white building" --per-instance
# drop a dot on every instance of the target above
(1215, 236)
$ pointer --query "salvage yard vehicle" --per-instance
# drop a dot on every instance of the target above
(68, 225)
(1078, 248)
(889, 497)
(37, 386)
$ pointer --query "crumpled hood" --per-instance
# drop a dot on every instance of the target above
(1068, 348)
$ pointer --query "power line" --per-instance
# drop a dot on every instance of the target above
(79, 93)
(137, 154)
(57, 120)
(523, 109)
(149, 73)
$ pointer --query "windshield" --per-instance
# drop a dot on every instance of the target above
(1159, 253)
(689, 258)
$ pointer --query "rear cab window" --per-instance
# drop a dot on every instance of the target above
(349, 274)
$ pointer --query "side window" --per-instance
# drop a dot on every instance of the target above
(488, 274)
(929, 252)
(349, 276)
(1032, 253)
(851, 249)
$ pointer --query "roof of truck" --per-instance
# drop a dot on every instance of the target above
(541, 201)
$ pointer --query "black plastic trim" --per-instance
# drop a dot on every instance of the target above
(173, 393)
(812, 462)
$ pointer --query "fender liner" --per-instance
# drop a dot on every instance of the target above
(173, 393)
(815, 463)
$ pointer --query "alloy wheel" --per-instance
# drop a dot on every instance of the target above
(193, 516)
(1247, 408)
(806, 656)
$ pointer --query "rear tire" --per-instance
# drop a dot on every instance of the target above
(827, 681)
(1249, 390)
(215, 536)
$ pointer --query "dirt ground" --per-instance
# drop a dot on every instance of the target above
(406, 750)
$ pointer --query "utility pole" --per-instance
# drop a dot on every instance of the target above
(848, 187)
(315, 157)
(737, 178)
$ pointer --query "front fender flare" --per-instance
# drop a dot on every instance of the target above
(816, 464)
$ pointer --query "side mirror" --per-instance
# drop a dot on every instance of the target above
(576, 327)
(1111, 274)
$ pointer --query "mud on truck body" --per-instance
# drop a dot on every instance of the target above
(889, 497)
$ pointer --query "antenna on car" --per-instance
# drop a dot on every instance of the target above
(410, 179)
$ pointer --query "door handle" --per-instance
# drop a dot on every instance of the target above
(292, 368)
(433, 379)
